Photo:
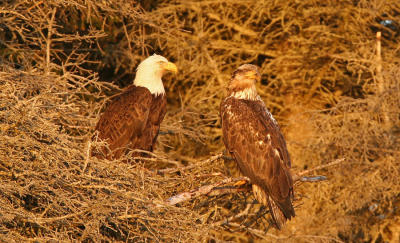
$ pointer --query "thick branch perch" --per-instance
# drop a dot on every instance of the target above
(204, 190)
(216, 189)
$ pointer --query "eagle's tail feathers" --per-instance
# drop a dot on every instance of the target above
(278, 218)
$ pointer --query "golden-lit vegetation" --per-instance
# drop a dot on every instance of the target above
(321, 77)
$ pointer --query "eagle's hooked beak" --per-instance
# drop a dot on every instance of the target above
(170, 67)
(253, 75)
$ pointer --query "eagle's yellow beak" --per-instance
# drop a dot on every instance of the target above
(170, 67)
(252, 75)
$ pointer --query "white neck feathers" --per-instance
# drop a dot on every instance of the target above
(155, 86)
(149, 77)
(246, 94)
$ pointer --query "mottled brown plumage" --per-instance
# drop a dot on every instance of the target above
(253, 138)
(132, 119)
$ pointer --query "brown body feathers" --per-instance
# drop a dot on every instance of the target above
(131, 121)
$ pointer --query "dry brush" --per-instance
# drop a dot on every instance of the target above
(333, 95)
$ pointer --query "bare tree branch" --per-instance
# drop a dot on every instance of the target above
(299, 175)
(209, 160)
(204, 190)
(219, 189)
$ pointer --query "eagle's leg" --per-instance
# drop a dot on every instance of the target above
(232, 169)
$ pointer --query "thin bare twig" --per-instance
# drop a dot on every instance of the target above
(209, 160)
(379, 77)
(48, 41)
(236, 216)
(299, 175)
(88, 148)
(268, 236)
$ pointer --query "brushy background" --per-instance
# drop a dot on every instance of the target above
(60, 61)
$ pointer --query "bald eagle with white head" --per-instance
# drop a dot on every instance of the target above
(132, 119)
(254, 140)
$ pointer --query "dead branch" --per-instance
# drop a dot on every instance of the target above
(313, 178)
(259, 233)
(379, 78)
(267, 236)
(87, 156)
(204, 190)
(48, 40)
(299, 175)
(209, 160)
(218, 188)
(158, 159)
(233, 217)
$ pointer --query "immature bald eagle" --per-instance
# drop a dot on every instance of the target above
(132, 119)
(254, 140)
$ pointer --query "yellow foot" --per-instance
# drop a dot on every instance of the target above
(240, 183)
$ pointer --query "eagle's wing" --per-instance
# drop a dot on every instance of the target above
(125, 118)
(149, 135)
(254, 139)
(269, 122)
(160, 109)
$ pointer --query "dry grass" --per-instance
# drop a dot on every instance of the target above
(62, 60)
